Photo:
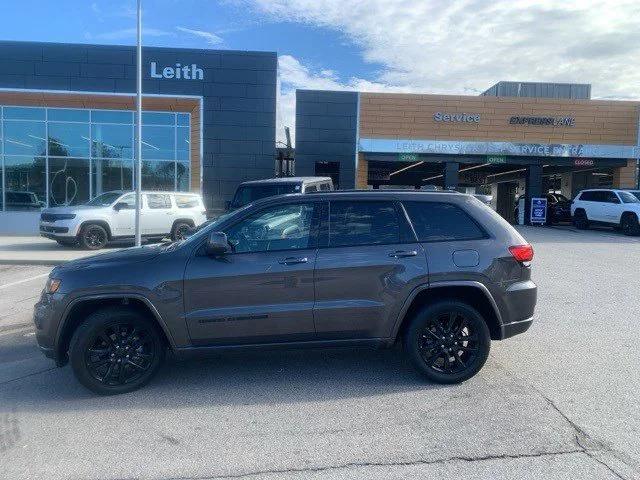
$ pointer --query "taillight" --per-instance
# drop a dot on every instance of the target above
(522, 253)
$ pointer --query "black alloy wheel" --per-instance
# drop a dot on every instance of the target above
(93, 237)
(448, 341)
(115, 351)
(180, 231)
(630, 224)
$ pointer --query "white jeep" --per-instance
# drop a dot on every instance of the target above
(111, 216)
(616, 208)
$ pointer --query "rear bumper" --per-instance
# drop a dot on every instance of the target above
(514, 328)
(517, 306)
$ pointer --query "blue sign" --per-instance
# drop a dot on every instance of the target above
(538, 210)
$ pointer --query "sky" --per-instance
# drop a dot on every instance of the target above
(426, 46)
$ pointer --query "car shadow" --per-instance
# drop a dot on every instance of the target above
(238, 378)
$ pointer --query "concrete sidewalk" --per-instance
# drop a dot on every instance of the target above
(35, 250)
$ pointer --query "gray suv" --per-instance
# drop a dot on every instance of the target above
(440, 272)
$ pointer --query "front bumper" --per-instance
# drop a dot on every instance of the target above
(46, 318)
(59, 229)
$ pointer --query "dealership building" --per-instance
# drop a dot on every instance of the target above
(67, 123)
(516, 138)
(67, 130)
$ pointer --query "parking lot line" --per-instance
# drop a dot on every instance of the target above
(25, 280)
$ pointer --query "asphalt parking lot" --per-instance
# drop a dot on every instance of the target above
(561, 401)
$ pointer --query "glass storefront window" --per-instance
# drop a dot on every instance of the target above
(182, 176)
(111, 116)
(67, 115)
(23, 113)
(25, 183)
(68, 181)
(24, 138)
(158, 118)
(158, 143)
(69, 139)
(183, 143)
(111, 174)
(66, 156)
(158, 175)
(183, 119)
(112, 141)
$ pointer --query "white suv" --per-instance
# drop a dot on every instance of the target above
(111, 216)
(616, 208)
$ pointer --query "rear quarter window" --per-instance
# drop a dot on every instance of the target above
(439, 222)
(187, 201)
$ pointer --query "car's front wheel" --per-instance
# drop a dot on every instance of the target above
(93, 237)
(448, 341)
(116, 350)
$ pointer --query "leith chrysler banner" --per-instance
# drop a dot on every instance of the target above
(381, 145)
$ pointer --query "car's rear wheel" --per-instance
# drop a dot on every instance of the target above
(93, 237)
(180, 230)
(448, 341)
(629, 224)
(116, 350)
(580, 220)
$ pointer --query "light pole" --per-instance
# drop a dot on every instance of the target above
(139, 128)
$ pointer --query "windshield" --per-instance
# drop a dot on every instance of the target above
(250, 193)
(636, 193)
(105, 199)
(627, 197)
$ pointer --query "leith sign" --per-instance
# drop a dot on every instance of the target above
(177, 72)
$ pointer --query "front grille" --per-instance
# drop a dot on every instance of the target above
(52, 217)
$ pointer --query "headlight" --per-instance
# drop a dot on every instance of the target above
(53, 285)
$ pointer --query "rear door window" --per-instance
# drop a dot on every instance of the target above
(363, 223)
(438, 222)
(158, 201)
(588, 196)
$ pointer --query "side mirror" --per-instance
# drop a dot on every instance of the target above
(217, 244)
(121, 206)
(227, 205)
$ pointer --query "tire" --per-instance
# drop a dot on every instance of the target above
(93, 237)
(580, 220)
(179, 230)
(116, 350)
(629, 224)
(451, 320)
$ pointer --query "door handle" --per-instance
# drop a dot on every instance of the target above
(403, 253)
(293, 260)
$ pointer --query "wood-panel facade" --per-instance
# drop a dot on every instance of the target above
(411, 116)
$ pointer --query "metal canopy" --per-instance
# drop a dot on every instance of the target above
(455, 147)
